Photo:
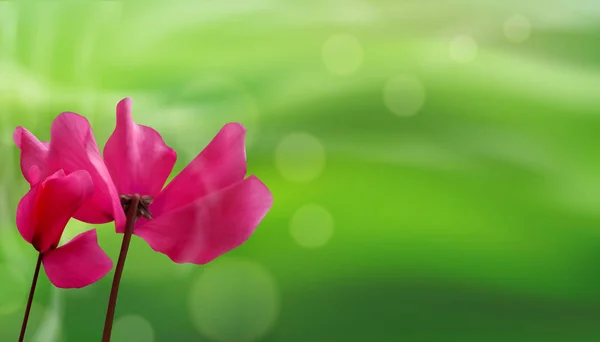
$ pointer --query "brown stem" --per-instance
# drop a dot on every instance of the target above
(36, 273)
(112, 301)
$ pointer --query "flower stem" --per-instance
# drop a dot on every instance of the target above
(36, 273)
(112, 301)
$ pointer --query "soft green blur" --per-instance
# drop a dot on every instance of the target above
(434, 165)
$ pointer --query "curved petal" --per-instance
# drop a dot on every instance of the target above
(57, 199)
(205, 229)
(26, 214)
(78, 263)
(137, 157)
(33, 153)
(73, 147)
(221, 164)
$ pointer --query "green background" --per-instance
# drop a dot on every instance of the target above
(434, 165)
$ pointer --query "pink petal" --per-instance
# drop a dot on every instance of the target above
(48, 207)
(221, 164)
(73, 147)
(137, 157)
(34, 153)
(25, 214)
(78, 263)
(203, 230)
(34, 175)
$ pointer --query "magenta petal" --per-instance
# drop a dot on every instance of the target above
(137, 157)
(73, 147)
(203, 230)
(26, 214)
(34, 153)
(57, 198)
(78, 263)
(221, 164)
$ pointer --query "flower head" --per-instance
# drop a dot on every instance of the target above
(208, 209)
(42, 215)
(72, 147)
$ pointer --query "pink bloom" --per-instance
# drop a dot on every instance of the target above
(72, 147)
(208, 209)
(42, 215)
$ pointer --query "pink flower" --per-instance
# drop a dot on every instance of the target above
(207, 210)
(42, 215)
(72, 147)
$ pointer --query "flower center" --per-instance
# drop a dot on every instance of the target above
(142, 209)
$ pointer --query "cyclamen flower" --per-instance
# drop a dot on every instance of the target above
(71, 148)
(42, 215)
(207, 210)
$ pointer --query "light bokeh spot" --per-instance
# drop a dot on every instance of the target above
(342, 54)
(517, 29)
(234, 301)
(132, 328)
(312, 226)
(463, 49)
(300, 157)
(404, 95)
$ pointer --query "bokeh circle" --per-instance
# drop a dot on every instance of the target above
(517, 29)
(404, 95)
(342, 54)
(311, 226)
(463, 49)
(234, 300)
(300, 157)
(132, 328)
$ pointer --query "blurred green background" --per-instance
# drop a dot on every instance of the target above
(433, 163)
